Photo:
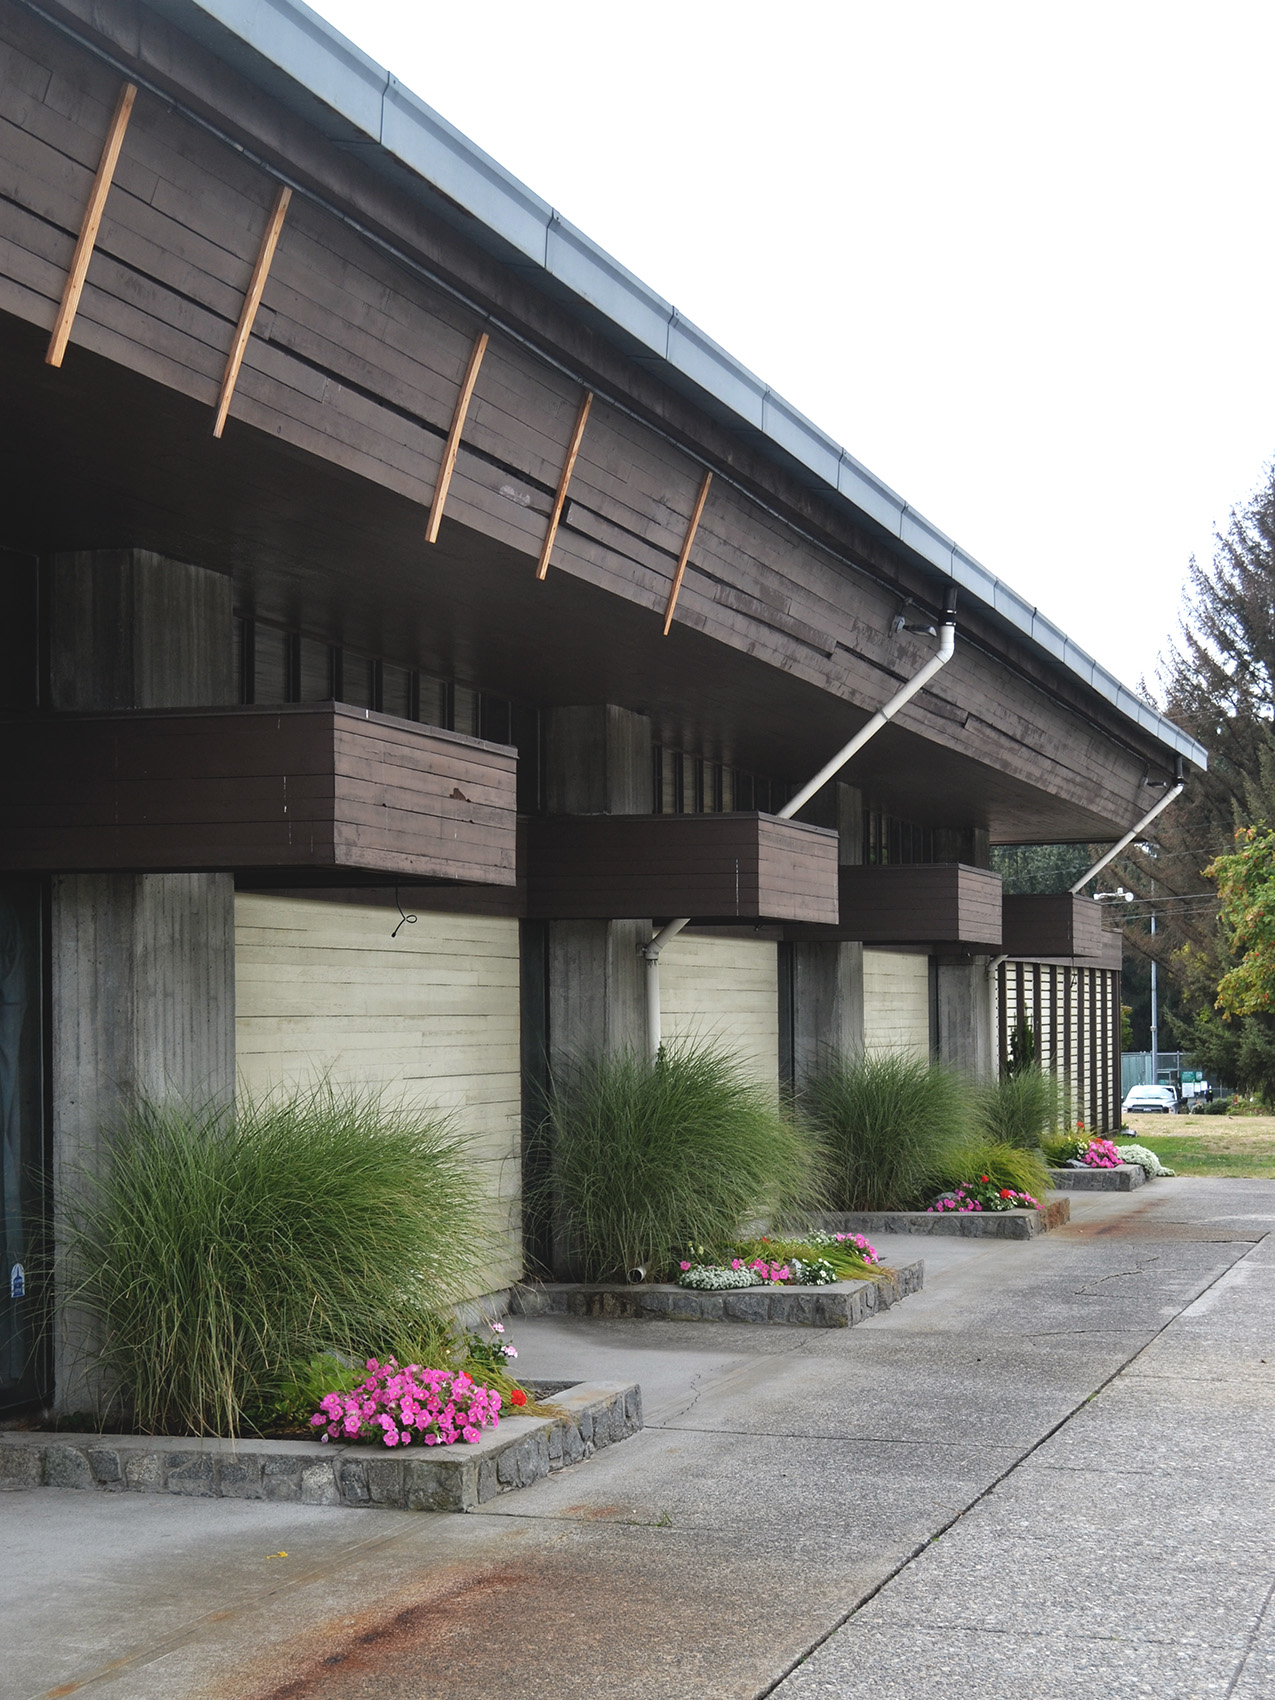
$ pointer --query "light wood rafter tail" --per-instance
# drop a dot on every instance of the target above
(684, 557)
(560, 500)
(74, 286)
(453, 437)
(251, 301)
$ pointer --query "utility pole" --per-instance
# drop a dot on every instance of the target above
(1155, 1014)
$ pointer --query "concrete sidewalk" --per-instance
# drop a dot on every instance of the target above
(1045, 1474)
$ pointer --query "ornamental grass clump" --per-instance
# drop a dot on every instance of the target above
(651, 1155)
(219, 1250)
(1020, 1108)
(889, 1124)
(1001, 1167)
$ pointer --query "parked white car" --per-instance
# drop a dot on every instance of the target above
(1151, 1100)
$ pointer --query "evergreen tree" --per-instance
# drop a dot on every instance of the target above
(1217, 680)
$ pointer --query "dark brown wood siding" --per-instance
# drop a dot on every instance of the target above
(324, 786)
(355, 359)
(1060, 925)
(714, 867)
(941, 903)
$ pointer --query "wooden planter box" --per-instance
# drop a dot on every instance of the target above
(1060, 927)
(321, 786)
(713, 867)
(937, 904)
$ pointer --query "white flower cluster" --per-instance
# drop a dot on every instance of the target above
(1144, 1159)
(817, 1273)
(708, 1278)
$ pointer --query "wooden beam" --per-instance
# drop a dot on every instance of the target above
(453, 437)
(685, 556)
(88, 230)
(560, 500)
(251, 301)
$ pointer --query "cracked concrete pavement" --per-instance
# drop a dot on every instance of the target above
(1045, 1474)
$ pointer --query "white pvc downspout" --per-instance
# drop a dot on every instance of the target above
(1133, 832)
(904, 695)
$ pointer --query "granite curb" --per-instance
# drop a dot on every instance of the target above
(1122, 1179)
(839, 1305)
(971, 1224)
(443, 1478)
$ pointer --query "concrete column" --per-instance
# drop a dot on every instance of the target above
(827, 976)
(966, 1036)
(142, 965)
(597, 761)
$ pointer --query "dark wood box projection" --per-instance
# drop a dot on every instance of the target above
(1061, 926)
(303, 787)
(941, 903)
(714, 867)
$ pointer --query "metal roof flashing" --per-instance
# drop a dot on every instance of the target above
(306, 63)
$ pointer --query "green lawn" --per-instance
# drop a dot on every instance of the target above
(1241, 1146)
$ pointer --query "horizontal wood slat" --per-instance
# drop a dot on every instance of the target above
(322, 786)
(1059, 926)
(356, 360)
(718, 867)
(940, 903)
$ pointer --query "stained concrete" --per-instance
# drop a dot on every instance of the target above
(1044, 1475)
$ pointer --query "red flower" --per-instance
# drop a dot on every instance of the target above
(517, 1397)
(985, 1177)
(1006, 1193)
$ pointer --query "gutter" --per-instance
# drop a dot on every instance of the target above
(830, 769)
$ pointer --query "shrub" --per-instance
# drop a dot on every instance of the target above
(1063, 1150)
(1004, 1165)
(889, 1123)
(221, 1251)
(1019, 1108)
(649, 1156)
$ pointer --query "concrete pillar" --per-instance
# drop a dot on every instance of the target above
(965, 1015)
(583, 989)
(142, 965)
(827, 976)
(597, 761)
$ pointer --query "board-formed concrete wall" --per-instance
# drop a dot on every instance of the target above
(896, 1002)
(724, 989)
(430, 1016)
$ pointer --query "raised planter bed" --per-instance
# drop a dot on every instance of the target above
(436, 1478)
(973, 1224)
(1123, 1179)
(840, 1305)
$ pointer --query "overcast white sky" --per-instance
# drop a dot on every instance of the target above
(1016, 257)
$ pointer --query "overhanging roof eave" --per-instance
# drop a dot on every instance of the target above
(309, 66)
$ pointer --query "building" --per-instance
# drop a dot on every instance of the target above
(405, 611)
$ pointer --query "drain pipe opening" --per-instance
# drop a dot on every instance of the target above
(941, 657)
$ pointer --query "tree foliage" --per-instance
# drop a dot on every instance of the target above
(1216, 680)
(1028, 870)
(1246, 891)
